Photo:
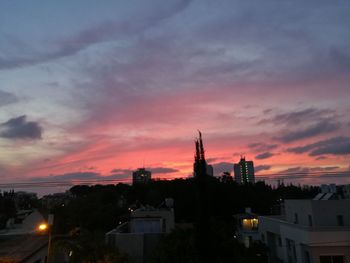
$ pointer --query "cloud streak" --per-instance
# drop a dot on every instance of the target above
(322, 127)
(105, 31)
(333, 146)
(81, 177)
(300, 116)
(262, 147)
(263, 167)
(163, 170)
(264, 155)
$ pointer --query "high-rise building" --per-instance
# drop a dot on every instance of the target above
(244, 171)
(141, 175)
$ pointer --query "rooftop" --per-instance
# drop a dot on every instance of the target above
(21, 247)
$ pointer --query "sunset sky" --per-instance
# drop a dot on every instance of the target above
(98, 88)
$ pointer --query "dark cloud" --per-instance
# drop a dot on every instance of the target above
(264, 155)
(75, 176)
(301, 149)
(300, 169)
(322, 127)
(67, 177)
(218, 159)
(259, 168)
(336, 149)
(262, 147)
(300, 116)
(293, 170)
(321, 158)
(163, 170)
(267, 111)
(155, 170)
(210, 160)
(122, 171)
(7, 98)
(118, 176)
(20, 128)
(340, 58)
(304, 123)
(82, 176)
(336, 146)
(335, 175)
(221, 167)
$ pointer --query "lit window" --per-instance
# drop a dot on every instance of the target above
(250, 224)
(296, 219)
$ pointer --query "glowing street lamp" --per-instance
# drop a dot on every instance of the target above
(43, 227)
(46, 227)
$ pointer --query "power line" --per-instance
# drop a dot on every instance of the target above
(60, 183)
(73, 182)
(309, 173)
(65, 183)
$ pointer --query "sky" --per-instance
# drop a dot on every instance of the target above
(95, 90)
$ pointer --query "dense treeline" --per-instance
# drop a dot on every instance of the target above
(100, 207)
(208, 204)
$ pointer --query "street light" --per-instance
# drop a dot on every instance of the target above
(43, 227)
(46, 228)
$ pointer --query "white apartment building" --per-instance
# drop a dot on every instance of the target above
(311, 231)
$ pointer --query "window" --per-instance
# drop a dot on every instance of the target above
(250, 240)
(279, 241)
(340, 220)
(294, 251)
(307, 257)
(291, 250)
(332, 259)
(310, 220)
(288, 243)
(296, 219)
(250, 224)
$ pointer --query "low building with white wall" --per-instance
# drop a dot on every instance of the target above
(247, 227)
(140, 236)
(311, 231)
